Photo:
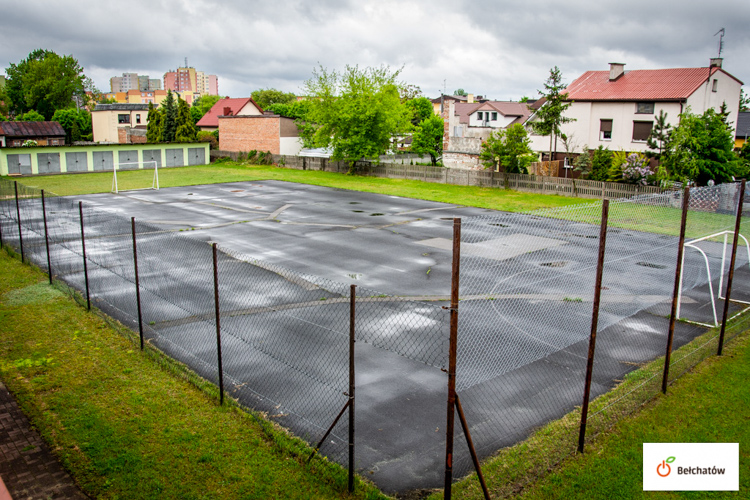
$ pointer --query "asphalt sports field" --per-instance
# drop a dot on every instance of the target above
(401, 247)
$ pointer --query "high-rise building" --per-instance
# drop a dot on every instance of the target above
(188, 79)
(133, 81)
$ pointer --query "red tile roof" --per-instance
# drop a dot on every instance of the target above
(32, 129)
(211, 119)
(640, 85)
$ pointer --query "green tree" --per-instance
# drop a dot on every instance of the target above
(186, 130)
(45, 82)
(77, 123)
(169, 118)
(299, 111)
(601, 162)
(614, 174)
(460, 92)
(659, 137)
(701, 149)
(582, 163)
(744, 100)
(550, 117)
(427, 138)
(31, 116)
(203, 105)
(507, 148)
(266, 97)
(356, 112)
(419, 109)
(153, 128)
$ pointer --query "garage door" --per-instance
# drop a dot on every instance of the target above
(76, 162)
(174, 158)
(19, 164)
(103, 160)
(49, 163)
(196, 156)
(150, 156)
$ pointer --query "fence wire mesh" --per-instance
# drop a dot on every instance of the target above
(284, 335)
(527, 290)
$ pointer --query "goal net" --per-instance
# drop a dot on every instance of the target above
(135, 166)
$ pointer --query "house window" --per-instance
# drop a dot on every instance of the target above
(479, 116)
(605, 130)
(123, 118)
(494, 116)
(644, 108)
(137, 118)
(715, 87)
(641, 131)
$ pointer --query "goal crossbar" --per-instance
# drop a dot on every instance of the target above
(154, 182)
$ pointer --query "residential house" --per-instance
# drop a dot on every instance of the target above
(228, 107)
(14, 134)
(120, 123)
(439, 104)
(469, 124)
(617, 108)
(743, 129)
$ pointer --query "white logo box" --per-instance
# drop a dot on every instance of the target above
(691, 467)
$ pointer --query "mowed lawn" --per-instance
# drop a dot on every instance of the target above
(131, 424)
(493, 198)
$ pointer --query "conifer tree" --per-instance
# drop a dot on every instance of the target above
(169, 118)
(185, 130)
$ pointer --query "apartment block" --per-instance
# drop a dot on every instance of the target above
(133, 81)
(187, 79)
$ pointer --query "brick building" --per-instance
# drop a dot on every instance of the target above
(272, 133)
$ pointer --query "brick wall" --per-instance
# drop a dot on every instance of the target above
(127, 135)
(247, 133)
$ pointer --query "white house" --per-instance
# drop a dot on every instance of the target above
(617, 108)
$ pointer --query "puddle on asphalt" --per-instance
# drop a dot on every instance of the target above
(354, 276)
(649, 264)
(358, 211)
(375, 215)
(555, 264)
(499, 225)
(355, 203)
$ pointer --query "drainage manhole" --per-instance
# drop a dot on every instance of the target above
(649, 264)
(560, 263)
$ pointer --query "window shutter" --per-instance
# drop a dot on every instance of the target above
(606, 126)
(641, 130)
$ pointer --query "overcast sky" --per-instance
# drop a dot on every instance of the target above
(500, 49)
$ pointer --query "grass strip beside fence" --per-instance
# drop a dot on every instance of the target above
(131, 424)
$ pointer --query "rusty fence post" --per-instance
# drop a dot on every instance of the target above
(352, 317)
(83, 248)
(137, 282)
(452, 359)
(218, 324)
(594, 324)
(731, 267)
(46, 238)
(18, 214)
(676, 290)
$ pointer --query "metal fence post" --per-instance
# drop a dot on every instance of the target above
(46, 238)
(218, 325)
(137, 282)
(352, 317)
(452, 359)
(731, 267)
(18, 213)
(594, 324)
(676, 290)
(83, 247)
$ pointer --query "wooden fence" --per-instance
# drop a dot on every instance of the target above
(484, 178)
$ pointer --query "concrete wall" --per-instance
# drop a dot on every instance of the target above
(59, 159)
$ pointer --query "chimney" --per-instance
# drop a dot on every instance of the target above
(227, 111)
(470, 98)
(716, 62)
(616, 70)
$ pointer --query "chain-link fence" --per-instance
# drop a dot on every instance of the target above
(527, 288)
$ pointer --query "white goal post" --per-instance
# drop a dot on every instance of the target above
(141, 166)
(691, 244)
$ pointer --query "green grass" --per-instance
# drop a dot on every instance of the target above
(132, 424)
(497, 199)
(710, 403)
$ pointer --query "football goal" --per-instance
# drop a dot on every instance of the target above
(139, 166)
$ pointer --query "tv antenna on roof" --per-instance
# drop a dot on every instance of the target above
(721, 40)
